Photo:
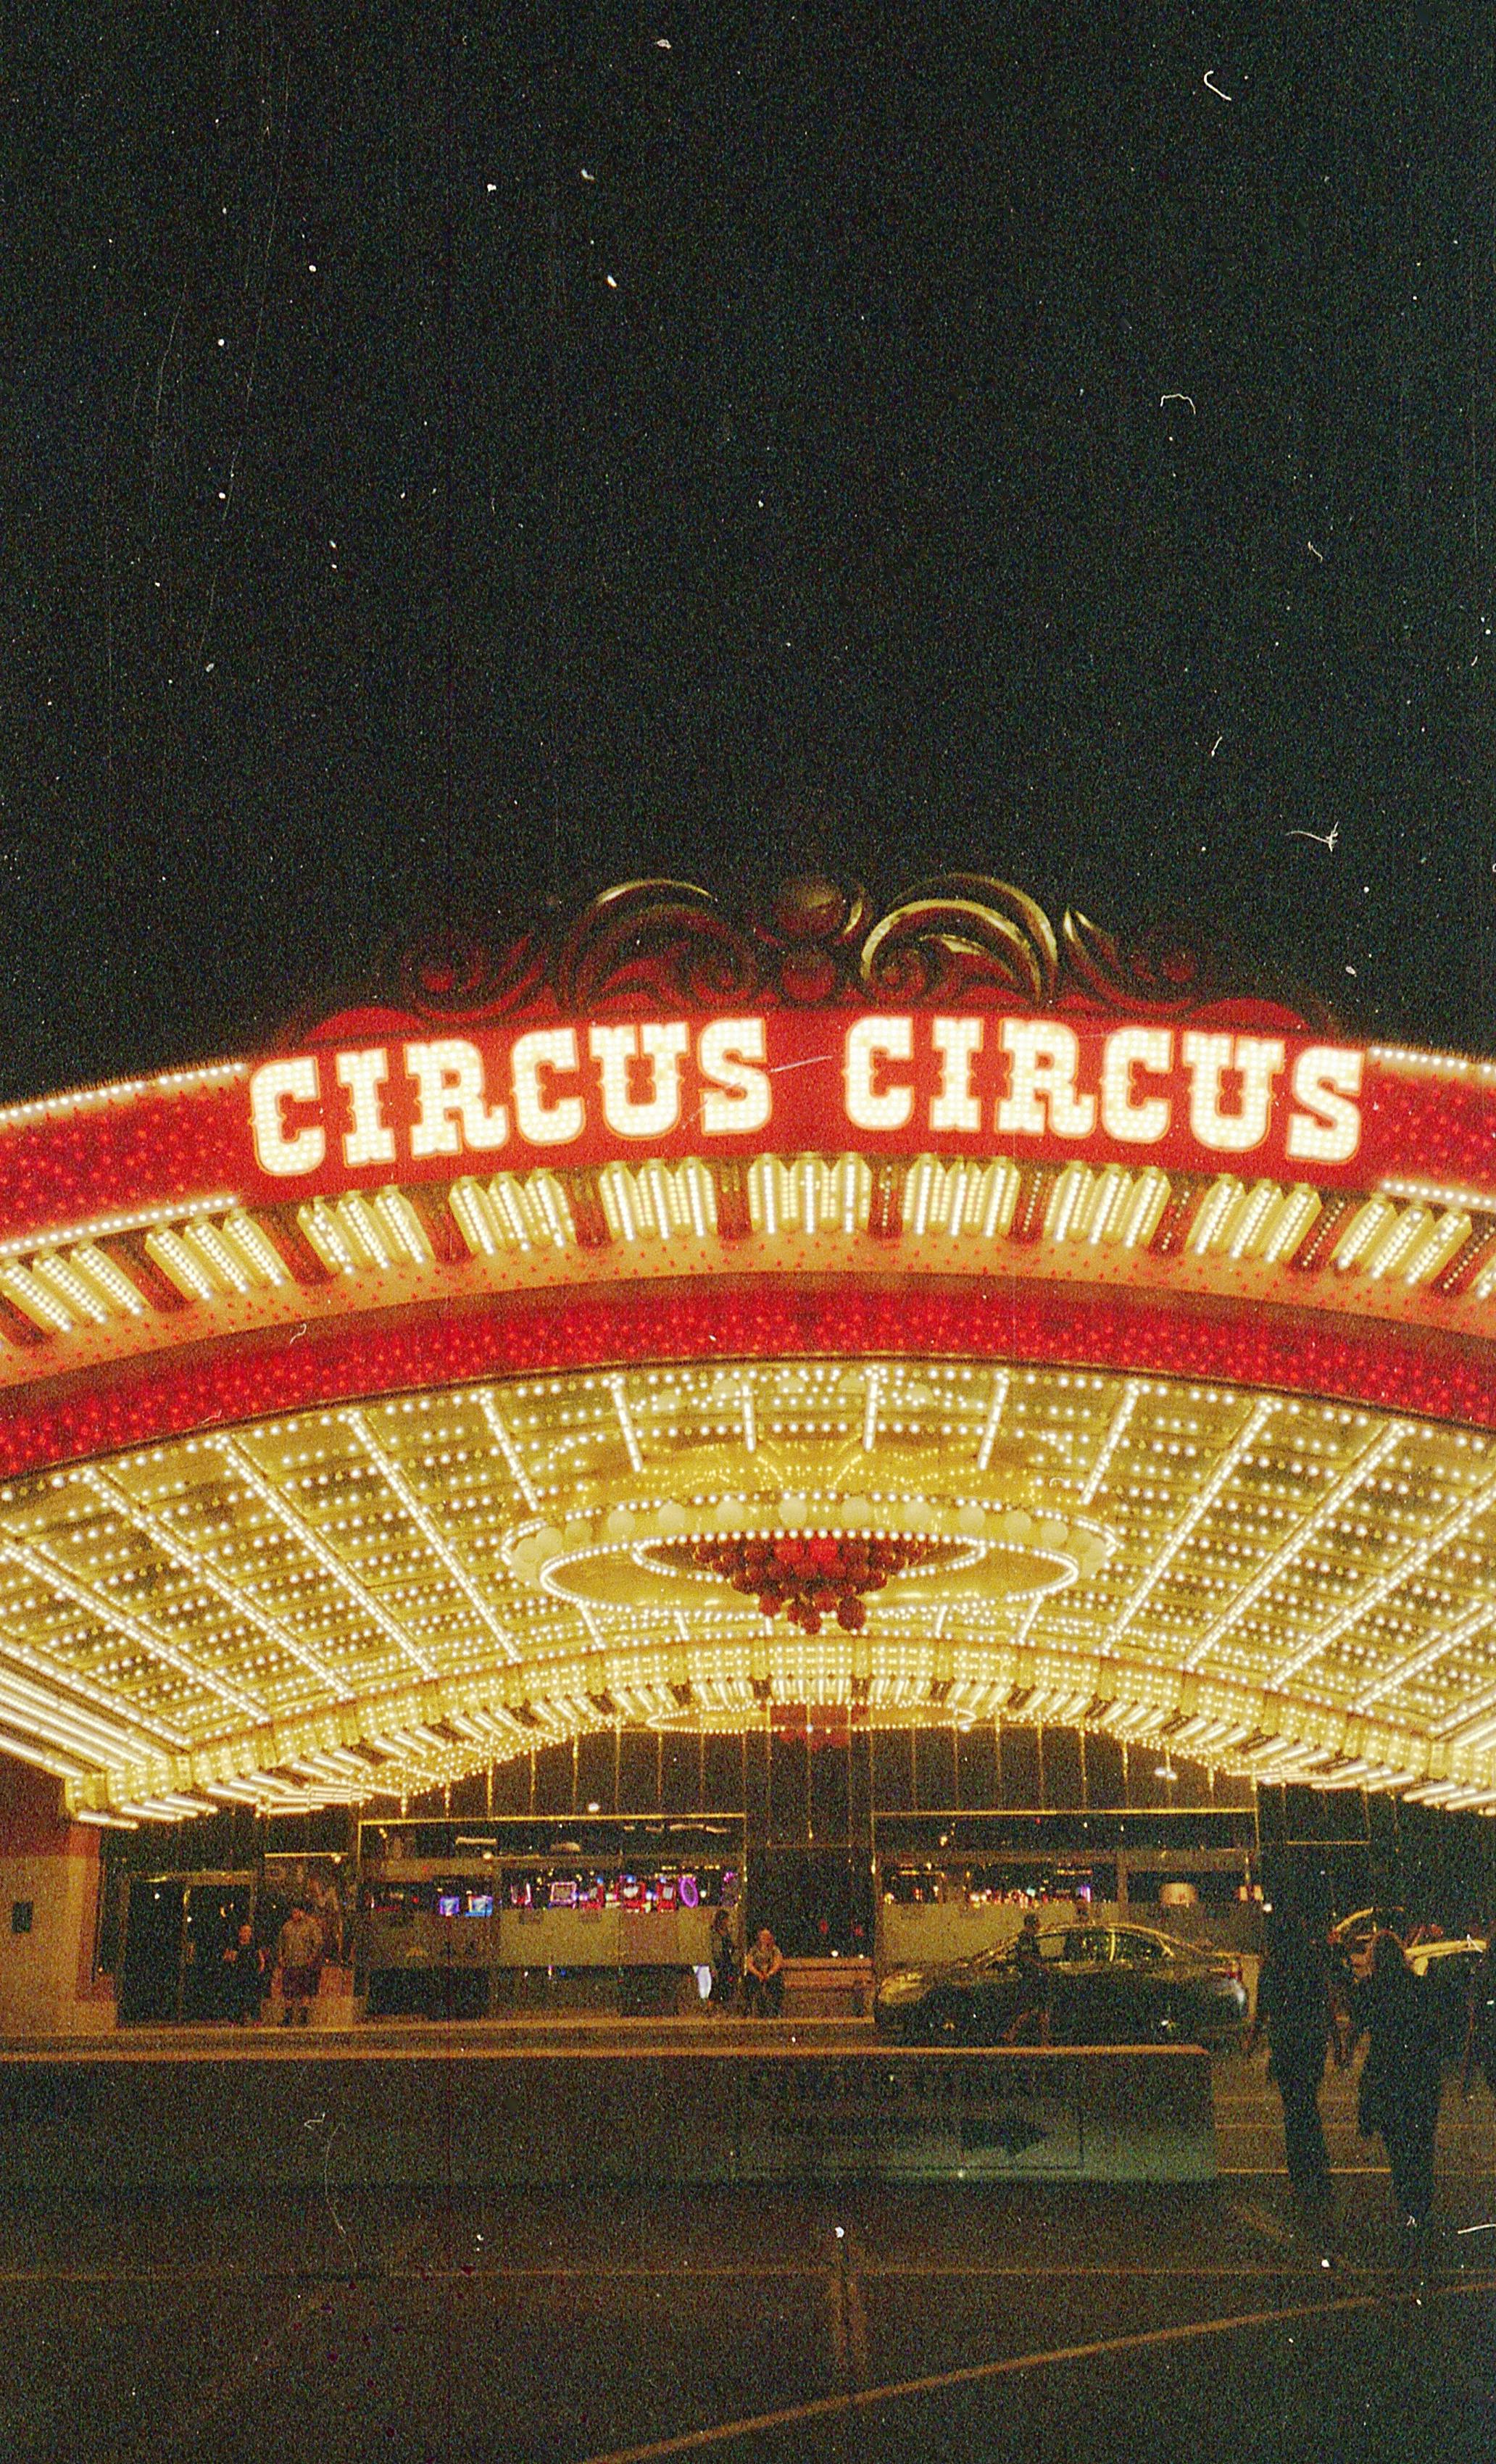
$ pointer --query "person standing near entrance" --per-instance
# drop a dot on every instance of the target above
(724, 1960)
(1404, 2074)
(1295, 2008)
(301, 1950)
(244, 1964)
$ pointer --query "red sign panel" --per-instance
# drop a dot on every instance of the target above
(428, 1104)
(887, 1083)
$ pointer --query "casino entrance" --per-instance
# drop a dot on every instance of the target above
(582, 1878)
(916, 1411)
(176, 1930)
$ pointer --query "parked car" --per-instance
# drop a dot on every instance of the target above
(1108, 1985)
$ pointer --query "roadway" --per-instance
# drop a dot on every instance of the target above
(1029, 2321)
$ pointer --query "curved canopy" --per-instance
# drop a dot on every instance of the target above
(376, 1597)
(928, 1314)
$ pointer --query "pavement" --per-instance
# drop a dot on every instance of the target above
(1026, 2320)
(583, 2032)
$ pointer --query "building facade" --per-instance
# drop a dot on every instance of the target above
(887, 1412)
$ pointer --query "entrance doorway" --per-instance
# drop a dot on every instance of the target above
(178, 1927)
(815, 1901)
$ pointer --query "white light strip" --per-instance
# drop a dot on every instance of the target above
(116, 1496)
(1428, 1654)
(499, 1432)
(1458, 1728)
(123, 1091)
(207, 1240)
(1194, 1514)
(440, 1547)
(1299, 1208)
(182, 1267)
(615, 1387)
(107, 1277)
(45, 1568)
(1370, 1459)
(180, 1211)
(64, 1279)
(403, 1227)
(1474, 1731)
(249, 1241)
(67, 1724)
(96, 1694)
(870, 1418)
(750, 1419)
(26, 1292)
(61, 1766)
(1127, 1405)
(315, 1546)
(1433, 1064)
(40, 1718)
(1000, 1382)
(1481, 1201)
(1251, 1217)
(1025, 1623)
(1412, 1562)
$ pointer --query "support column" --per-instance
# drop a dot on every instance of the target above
(49, 1900)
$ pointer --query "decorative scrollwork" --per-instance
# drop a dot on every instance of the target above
(811, 934)
(462, 971)
(658, 938)
(961, 934)
(821, 941)
(1161, 971)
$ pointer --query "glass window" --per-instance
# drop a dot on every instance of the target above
(1138, 1949)
(1088, 1942)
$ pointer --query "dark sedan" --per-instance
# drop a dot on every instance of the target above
(1106, 1985)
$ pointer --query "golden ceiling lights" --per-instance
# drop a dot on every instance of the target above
(376, 1597)
(923, 1508)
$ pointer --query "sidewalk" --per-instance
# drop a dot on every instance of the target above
(1048, 2324)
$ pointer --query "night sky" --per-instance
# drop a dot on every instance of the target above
(454, 458)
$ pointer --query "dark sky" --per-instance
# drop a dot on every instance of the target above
(460, 458)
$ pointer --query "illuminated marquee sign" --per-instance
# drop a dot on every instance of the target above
(585, 1092)
(957, 1023)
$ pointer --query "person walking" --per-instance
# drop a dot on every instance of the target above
(723, 1949)
(1296, 2009)
(1031, 2021)
(1404, 2074)
(1342, 1990)
(300, 1948)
